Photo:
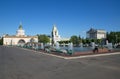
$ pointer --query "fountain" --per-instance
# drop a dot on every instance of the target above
(70, 47)
(106, 42)
(93, 45)
(36, 47)
(109, 45)
(42, 47)
(81, 45)
(76, 49)
(57, 45)
(63, 44)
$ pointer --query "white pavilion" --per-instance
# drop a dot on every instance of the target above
(19, 39)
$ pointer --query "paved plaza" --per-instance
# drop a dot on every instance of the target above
(17, 63)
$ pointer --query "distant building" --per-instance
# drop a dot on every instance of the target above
(96, 34)
(19, 39)
(56, 37)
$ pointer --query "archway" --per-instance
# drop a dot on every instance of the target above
(21, 42)
(32, 40)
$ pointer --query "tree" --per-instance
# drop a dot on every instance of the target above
(113, 37)
(64, 42)
(92, 40)
(75, 40)
(80, 39)
(1, 41)
(83, 41)
(88, 41)
(99, 41)
(43, 38)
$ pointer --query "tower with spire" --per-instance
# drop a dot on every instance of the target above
(20, 39)
(55, 35)
(20, 31)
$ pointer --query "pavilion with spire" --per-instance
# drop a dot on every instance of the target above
(55, 34)
(19, 39)
(20, 31)
(56, 37)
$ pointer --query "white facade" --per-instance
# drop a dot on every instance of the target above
(19, 39)
(13, 40)
(65, 39)
(56, 37)
(101, 34)
(55, 34)
(20, 31)
(96, 34)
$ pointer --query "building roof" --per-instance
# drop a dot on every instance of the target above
(20, 36)
(92, 30)
(20, 27)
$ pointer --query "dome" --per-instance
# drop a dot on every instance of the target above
(20, 31)
(20, 27)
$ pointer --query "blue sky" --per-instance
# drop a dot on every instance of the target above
(72, 17)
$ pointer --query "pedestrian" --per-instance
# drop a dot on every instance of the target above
(95, 49)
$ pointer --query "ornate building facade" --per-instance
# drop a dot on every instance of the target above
(56, 37)
(96, 34)
(19, 39)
